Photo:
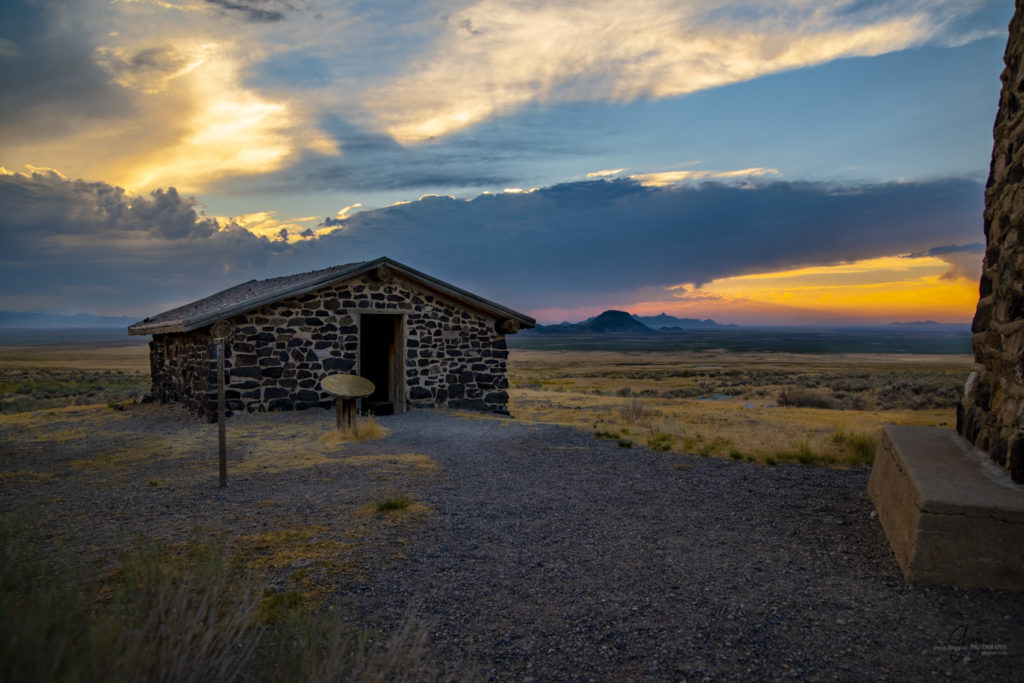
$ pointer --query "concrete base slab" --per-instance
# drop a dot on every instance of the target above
(951, 515)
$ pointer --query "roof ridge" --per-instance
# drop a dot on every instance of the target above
(253, 294)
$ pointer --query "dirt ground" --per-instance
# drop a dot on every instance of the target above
(299, 504)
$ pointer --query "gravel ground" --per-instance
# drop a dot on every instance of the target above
(549, 554)
(557, 556)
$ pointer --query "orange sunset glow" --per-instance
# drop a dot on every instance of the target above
(872, 291)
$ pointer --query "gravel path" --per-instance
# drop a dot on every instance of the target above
(549, 554)
(557, 556)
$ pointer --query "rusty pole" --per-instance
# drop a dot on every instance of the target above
(222, 439)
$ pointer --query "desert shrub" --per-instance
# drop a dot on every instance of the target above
(45, 388)
(635, 411)
(625, 443)
(919, 394)
(735, 454)
(859, 448)
(697, 444)
(801, 397)
(660, 442)
(682, 393)
(624, 392)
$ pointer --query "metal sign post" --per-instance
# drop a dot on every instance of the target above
(221, 330)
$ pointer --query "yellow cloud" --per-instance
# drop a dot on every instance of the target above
(224, 128)
(607, 173)
(495, 56)
(266, 224)
(666, 178)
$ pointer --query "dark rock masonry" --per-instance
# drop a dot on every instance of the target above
(991, 412)
(278, 355)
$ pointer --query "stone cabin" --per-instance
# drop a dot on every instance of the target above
(422, 342)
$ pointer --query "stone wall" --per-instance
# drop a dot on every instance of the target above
(277, 355)
(991, 412)
(180, 367)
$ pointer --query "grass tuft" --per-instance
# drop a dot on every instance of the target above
(365, 429)
(660, 442)
(188, 612)
(391, 504)
(635, 411)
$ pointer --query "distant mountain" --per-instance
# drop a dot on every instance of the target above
(609, 322)
(925, 324)
(665, 321)
(614, 322)
(32, 320)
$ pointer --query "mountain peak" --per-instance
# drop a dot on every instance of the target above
(614, 321)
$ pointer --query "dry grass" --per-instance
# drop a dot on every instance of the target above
(129, 358)
(365, 429)
(747, 406)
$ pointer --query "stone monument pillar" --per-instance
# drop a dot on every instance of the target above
(991, 412)
(948, 501)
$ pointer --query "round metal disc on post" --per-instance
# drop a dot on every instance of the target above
(347, 386)
(346, 389)
(221, 329)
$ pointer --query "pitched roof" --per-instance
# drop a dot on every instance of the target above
(255, 294)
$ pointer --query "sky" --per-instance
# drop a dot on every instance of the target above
(754, 162)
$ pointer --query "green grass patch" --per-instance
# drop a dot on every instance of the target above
(660, 442)
(391, 504)
(858, 449)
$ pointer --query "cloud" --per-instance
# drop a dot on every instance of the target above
(606, 173)
(666, 178)
(575, 242)
(151, 69)
(964, 260)
(496, 57)
(566, 246)
(44, 207)
(260, 11)
(95, 246)
(145, 95)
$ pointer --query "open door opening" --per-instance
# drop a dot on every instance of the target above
(380, 361)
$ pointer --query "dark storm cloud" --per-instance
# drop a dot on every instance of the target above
(45, 204)
(572, 244)
(260, 11)
(975, 248)
(49, 78)
(69, 238)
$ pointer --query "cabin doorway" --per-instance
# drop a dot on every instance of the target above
(381, 356)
